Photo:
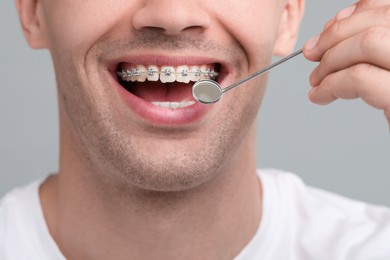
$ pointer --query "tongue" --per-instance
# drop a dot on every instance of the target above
(162, 92)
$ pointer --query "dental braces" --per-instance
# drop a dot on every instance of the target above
(167, 72)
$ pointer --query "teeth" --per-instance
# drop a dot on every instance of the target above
(195, 73)
(134, 75)
(205, 71)
(142, 76)
(173, 105)
(152, 74)
(182, 74)
(167, 74)
(126, 75)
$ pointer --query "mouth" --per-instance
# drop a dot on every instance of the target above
(159, 90)
(164, 86)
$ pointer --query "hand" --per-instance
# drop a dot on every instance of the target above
(354, 55)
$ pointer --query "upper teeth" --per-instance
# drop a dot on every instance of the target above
(165, 74)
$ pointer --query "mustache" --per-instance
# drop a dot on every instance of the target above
(156, 39)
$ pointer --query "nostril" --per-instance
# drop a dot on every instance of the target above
(168, 28)
(180, 16)
(156, 30)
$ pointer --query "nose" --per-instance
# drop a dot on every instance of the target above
(172, 17)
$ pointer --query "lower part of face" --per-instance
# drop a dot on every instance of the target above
(122, 132)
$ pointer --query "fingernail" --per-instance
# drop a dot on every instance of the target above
(345, 13)
(311, 44)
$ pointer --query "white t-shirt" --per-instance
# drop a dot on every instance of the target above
(298, 223)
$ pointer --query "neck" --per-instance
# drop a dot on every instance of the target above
(103, 218)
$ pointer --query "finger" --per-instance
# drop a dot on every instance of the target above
(364, 5)
(310, 44)
(330, 23)
(344, 13)
(341, 15)
(345, 28)
(366, 81)
(370, 46)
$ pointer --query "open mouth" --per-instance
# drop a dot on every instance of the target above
(168, 87)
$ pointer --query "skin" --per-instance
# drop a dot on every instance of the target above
(352, 51)
(128, 189)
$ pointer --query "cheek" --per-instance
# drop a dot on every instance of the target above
(254, 25)
(243, 103)
(75, 25)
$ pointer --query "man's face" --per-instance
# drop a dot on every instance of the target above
(156, 147)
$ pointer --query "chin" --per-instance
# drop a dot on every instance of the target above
(171, 174)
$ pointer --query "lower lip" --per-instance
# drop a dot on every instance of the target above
(162, 116)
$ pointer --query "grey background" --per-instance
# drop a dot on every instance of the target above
(343, 147)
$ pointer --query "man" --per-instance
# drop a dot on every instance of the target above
(147, 173)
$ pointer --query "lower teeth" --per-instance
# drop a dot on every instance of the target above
(173, 105)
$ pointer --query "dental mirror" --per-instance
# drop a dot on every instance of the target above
(208, 91)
